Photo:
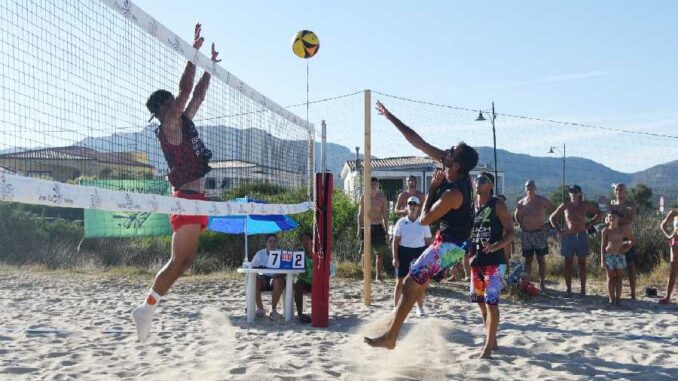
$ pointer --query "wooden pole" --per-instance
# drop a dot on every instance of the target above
(367, 194)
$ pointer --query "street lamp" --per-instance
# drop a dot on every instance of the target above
(552, 149)
(492, 115)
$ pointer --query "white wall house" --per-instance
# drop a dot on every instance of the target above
(227, 174)
(393, 171)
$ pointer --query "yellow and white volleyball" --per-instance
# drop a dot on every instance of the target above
(305, 44)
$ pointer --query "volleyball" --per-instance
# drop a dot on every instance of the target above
(305, 44)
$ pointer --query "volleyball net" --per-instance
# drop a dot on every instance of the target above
(74, 80)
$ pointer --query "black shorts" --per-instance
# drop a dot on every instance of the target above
(406, 255)
(632, 256)
(268, 281)
(306, 287)
(378, 235)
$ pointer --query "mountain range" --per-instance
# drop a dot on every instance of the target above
(594, 178)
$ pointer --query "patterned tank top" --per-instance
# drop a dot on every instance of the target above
(188, 160)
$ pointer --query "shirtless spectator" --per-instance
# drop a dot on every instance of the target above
(411, 191)
(626, 211)
(378, 228)
(531, 212)
(573, 235)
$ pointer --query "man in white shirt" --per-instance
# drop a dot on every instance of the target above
(274, 283)
(410, 240)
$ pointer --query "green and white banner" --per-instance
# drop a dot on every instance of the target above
(99, 223)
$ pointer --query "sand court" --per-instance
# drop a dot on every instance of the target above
(78, 326)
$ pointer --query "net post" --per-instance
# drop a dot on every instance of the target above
(310, 164)
(367, 173)
(322, 252)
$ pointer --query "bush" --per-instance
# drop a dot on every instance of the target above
(27, 238)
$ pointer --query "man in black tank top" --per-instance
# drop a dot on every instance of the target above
(492, 233)
(448, 201)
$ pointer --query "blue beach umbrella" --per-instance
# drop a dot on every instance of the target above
(251, 224)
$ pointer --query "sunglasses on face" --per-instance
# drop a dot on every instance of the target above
(412, 204)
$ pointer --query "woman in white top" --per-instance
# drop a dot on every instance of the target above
(273, 283)
(672, 236)
(410, 240)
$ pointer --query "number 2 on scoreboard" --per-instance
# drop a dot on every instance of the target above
(298, 260)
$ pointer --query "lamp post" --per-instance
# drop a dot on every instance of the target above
(492, 115)
(552, 149)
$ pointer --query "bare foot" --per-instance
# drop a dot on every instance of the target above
(568, 294)
(542, 286)
(382, 341)
(486, 354)
(633, 297)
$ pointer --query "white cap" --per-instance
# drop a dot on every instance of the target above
(414, 199)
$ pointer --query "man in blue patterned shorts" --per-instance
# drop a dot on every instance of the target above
(449, 201)
(531, 212)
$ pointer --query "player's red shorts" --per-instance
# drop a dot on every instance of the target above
(178, 220)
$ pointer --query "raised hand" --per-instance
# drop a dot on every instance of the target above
(197, 39)
(382, 110)
(437, 179)
(214, 55)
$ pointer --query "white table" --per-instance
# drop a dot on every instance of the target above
(251, 289)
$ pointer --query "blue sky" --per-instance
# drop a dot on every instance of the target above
(608, 63)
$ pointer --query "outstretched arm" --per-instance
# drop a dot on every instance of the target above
(185, 84)
(200, 89)
(411, 136)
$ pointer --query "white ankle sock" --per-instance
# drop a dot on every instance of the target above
(153, 299)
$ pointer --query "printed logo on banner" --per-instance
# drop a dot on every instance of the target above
(56, 196)
(95, 200)
(154, 204)
(214, 209)
(129, 203)
(177, 208)
(176, 44)
(227, 208)
(6, 189)
(125, 8)
(240, 209)
(153, 27)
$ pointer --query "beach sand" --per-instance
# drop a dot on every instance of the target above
(56, 326)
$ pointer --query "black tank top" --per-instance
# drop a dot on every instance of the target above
(456, 224)
(487, 228)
